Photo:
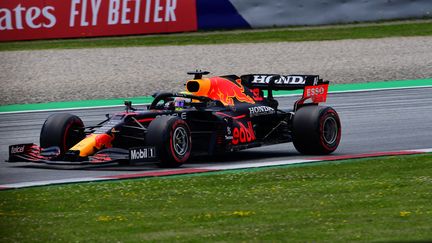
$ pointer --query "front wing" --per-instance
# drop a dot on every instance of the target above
(35, 154)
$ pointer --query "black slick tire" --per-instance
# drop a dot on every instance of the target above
(62, 130)
(316, 130)
(171, 137)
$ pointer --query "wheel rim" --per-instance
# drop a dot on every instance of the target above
(330, 130)
(180, 141)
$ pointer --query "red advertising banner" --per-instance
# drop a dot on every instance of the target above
(47, 19)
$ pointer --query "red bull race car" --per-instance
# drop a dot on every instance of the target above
(215, 115)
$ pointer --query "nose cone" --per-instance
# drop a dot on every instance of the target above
(91, 144)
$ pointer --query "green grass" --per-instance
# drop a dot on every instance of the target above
(387, 199)
(252, 36)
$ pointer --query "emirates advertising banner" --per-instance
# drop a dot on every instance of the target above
(47, 19)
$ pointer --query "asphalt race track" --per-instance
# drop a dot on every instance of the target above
(372, 121)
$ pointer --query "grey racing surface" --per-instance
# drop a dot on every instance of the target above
(372, 121)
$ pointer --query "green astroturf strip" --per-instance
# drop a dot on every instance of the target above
(317, 33)
(370, 86)
(147, 99)
(73, 104)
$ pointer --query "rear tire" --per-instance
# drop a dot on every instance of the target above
(171, 137)
(316, 130)
(62, 130)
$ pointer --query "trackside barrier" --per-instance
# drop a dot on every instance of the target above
(269, 13)
(47, 19)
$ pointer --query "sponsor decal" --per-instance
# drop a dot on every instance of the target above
(142, 154)
(243, 134)
(260, 111)
(283, 80)
(227, 92)
(17, 149)
(316, 93)
(44, 19)
(229, 133)
(182, 115)
(33, 17)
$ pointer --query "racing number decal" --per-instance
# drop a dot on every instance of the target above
(243, 134)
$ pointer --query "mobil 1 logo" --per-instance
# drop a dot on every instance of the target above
(142, 154)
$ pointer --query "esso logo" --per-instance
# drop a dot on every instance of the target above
(315, 91)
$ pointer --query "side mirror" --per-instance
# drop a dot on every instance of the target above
(128, 105)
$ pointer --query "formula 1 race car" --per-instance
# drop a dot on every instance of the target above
(215, 115)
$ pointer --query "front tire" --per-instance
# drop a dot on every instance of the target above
(62, 130)
(171, 137)
(316, 130)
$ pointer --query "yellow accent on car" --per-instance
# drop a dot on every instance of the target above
(89, 145)
(86, 146)
(198, 87)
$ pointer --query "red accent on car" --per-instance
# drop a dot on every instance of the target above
(226, 91)
(100, 158)
(146, 120)
(103, 141)
(233, 117)
(318, 93)
(243, 134)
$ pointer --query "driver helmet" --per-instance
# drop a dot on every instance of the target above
(180, 102)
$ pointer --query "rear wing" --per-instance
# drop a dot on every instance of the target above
(313, 87)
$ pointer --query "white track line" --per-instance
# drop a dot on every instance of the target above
(257, 164)
(51, 182)
(426, 150)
